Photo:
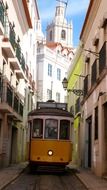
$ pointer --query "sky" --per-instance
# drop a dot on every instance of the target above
(75, 12)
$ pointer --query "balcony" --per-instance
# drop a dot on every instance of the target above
(10, 101)
(8, 41)
(10, 46)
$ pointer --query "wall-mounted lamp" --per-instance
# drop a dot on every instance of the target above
(90, 51)
(77, 92)
(80, 75)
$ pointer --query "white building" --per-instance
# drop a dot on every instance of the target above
(15, 80)
(54, 57)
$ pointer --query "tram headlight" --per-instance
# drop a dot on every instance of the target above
(50, 152)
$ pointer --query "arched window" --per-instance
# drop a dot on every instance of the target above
(63, 34)
(51, 35)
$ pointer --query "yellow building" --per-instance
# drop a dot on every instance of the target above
(75, 94)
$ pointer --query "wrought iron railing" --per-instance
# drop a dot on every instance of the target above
(12, 36)
(16, 103)
(21, 109)
(9, 96)
(23, 62)
(2, 12)
(20, 56)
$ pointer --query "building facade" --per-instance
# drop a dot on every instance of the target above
(74, 98)
(15, 21)
(54, 57)
(94, 104)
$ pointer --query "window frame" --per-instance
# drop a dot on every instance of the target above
(68, 130)
(49, 70)
(59, 74)
(39, 133)
(46, 136)
(63, 34)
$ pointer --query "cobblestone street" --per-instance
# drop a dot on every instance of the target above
(47, 181)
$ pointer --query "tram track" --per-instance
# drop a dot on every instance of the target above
(46, 180)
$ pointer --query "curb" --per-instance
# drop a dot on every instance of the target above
(13, 178)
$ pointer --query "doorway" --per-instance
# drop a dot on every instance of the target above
(13, 157)
(88, 142)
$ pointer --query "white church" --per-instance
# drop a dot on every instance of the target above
(54, 56)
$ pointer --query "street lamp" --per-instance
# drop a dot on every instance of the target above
(77, 92)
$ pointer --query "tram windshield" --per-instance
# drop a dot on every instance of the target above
(51, 129)
(64, 129)
(37, 131)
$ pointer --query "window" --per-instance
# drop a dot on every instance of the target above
(63, 34)
(26, 59)
(96, 123)
(64, 129)
(51, 129)
(51, 35)
(58, 74)
(34, 49)
(17, 83)
(30, 40)
(28, 102)
(37, 131)
(11, 75)
(57, 97)
(49, 70)
(49, 94)
(0, 127)
(1, 85)
(4, 67)
(58, 51)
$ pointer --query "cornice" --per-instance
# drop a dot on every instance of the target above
(27, 13)
(89, 19)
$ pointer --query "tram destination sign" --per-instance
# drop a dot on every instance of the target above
(56, 105)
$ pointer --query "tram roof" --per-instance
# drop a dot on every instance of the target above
(50, 111)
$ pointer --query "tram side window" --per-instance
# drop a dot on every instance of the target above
(37, 131)
(64, 129)
(51, 129)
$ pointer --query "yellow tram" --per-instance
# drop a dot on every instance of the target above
(50, 135)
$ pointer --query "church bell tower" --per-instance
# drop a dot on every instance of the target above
(60, 30)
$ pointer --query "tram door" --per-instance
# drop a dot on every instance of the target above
(88, 142)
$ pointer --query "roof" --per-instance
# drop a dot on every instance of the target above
(27, 13)
(51, 111)
(86, 18)
(52, 45)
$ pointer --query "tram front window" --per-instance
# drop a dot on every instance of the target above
(37, 131)
(51, 129)
(64, 129)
